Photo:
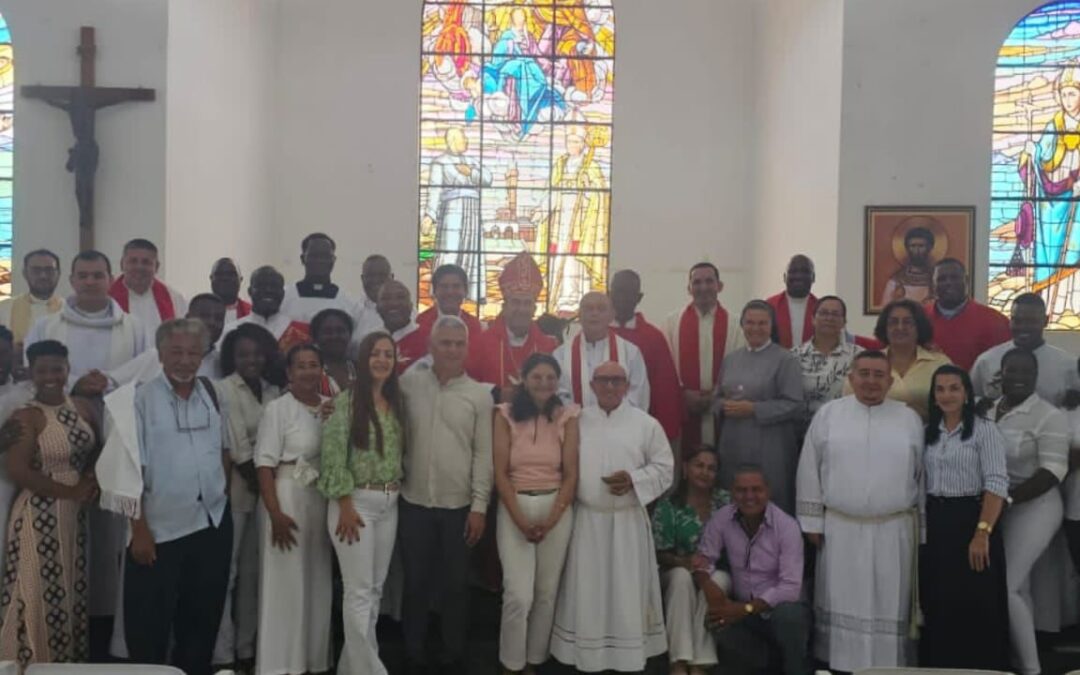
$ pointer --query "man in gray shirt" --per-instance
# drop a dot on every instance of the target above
(444, 497)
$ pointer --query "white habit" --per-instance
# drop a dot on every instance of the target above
(303, 308)
(595, 354)
(96, 341)
(859, 484)
(609, 614)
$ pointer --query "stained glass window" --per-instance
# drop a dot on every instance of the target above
(7, 154)
(516, 104)
(1034, 218)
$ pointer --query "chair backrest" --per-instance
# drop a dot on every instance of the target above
(927, 671)
(100, 669)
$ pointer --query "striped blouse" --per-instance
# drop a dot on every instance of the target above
(958, 467)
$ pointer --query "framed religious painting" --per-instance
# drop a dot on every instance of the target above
(903, 243)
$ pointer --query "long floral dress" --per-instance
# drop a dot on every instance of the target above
(43, 605)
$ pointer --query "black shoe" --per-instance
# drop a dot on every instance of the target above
(452, 668)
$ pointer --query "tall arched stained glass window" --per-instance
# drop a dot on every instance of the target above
(515, 144)
(1035, 191)
(7, 154)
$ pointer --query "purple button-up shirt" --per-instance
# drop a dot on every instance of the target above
(769, 566)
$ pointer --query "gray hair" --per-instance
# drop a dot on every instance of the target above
(182, 327)
(449, 321)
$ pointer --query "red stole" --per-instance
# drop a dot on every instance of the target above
(242, 308)
(410, 349)
(575, 361)
(690, 363)
(162, 298)
(296, 334)
(783, 318)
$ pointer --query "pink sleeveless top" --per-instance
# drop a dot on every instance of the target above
(536, 448)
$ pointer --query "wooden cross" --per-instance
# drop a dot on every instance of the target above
(81, 103)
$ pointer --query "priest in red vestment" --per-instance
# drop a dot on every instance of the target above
(394, 306)
(963, 328)
(497, 354)
(140, 293)
(225, 280)
(795, 306)
(665, 394)
(699, 335)
(449, 287)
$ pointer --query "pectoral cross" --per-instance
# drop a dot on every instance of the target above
(81, 103)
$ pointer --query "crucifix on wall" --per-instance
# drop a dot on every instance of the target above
(81, 103)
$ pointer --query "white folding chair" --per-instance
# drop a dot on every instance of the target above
(100, 669)
(9, 668)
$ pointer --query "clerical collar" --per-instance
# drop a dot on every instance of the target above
(308, 289)
(594, 342)
(950, 313)
(630, 325)
(792, 300)
(100, 314)
(761, 348)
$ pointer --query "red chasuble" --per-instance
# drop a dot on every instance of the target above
(160, 291)
(426, 319)
(974, 330)
(783, 318)
(493, 360)
(410, 349)
(690, 364)
(665, 395)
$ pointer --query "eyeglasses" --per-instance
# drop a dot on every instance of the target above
(609, 380)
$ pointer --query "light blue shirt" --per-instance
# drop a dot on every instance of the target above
(180, 446)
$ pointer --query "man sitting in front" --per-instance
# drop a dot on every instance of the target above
(765, 549)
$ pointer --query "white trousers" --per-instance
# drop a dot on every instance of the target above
(531, 574)
(689, 640)
(236, 636)
(364, 565)
(1029, 528)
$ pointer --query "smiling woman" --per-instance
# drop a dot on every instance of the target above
(43, 609)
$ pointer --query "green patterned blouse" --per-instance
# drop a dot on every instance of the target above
(343, 466)
(677, 528)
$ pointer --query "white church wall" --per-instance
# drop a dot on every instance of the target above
(345, 134)
(220, 137)
(796, 71)
(131, 38)
(916, 122)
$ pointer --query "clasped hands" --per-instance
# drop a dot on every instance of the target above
(619, 483)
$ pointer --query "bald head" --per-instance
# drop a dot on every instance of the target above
(609, 384)
(596, 315)
(394, 305)
(267, 290)
(799, 276)
(625, 293)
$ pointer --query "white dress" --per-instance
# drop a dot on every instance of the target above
(858, 483)
(609, 614)
(295, 585)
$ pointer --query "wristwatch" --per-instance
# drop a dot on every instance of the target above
(984, 526)
(749, 608)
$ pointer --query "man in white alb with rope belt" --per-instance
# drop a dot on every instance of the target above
(858, 501)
